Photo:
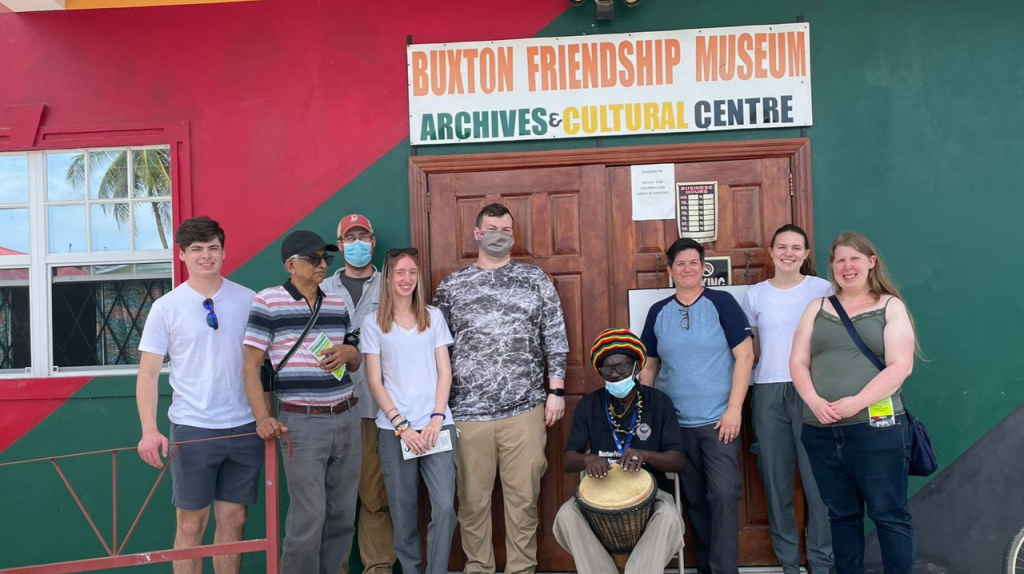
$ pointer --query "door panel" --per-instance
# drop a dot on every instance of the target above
(576, 224)
(549, 207)
(754, 201)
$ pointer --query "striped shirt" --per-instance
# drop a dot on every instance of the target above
(276, 319)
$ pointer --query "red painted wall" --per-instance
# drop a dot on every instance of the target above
(288, 100)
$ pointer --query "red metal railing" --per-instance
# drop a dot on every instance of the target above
(115, 558)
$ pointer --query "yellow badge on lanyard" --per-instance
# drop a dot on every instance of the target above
(882, 414)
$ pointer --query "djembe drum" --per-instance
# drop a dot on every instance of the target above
(618, 508)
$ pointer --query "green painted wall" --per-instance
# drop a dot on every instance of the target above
(916, 143)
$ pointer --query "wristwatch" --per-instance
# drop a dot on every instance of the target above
(557, 392)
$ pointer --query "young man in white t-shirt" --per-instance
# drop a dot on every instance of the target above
(200, 325)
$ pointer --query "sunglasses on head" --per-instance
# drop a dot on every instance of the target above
(315, 259)
(406, 250)
(211, 317)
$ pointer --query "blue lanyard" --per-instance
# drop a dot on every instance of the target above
(615, 434)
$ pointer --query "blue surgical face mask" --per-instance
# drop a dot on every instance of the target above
(619, 389)
(357, 253)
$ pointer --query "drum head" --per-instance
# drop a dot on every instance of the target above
(617, 490)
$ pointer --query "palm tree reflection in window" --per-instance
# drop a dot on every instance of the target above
(151, 178)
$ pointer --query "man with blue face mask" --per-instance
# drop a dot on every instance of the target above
(359, 284)
(635, 427)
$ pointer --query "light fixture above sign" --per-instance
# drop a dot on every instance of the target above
(606, 8)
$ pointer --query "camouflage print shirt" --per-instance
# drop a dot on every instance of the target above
(505, 323)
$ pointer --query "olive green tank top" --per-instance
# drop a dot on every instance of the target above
(838, 368)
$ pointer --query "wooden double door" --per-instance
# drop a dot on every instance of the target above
(573, 219)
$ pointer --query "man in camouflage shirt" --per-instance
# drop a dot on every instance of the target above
(506, 320)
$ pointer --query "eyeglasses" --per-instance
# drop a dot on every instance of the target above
(684, 315)
(406, 250)
(315, 259)
(211, 317)
(353, 238)
(622, 369)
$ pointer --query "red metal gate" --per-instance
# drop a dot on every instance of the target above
(115, 558)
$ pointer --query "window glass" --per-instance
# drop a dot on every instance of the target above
(99, 313)
(13, 179)
(15, 329)
(65, 176)
(14, 238)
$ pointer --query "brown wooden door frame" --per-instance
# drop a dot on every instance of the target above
(722, 158)
(797, 150)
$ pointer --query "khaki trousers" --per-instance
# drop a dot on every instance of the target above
(375, 537)
(514, 449)
(659, 543)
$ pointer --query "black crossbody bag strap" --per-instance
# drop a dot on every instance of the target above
(922, 453)
(268, 372)
(854, 334)
(302, 337)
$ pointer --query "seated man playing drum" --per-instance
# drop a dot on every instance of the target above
(620, 434)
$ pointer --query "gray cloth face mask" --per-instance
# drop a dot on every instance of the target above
(495, 243)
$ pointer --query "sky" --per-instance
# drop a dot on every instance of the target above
(71, 224)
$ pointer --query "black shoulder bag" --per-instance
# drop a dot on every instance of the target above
(922, 455)
(268, 374)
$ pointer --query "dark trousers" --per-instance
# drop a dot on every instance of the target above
(777, 419)
(713, 484)
(860, 466)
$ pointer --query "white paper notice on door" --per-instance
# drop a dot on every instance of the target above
(697, 210)
(653, 191)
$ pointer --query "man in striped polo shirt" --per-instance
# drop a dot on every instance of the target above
(315, 405)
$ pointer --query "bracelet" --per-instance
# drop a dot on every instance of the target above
(395, 417)
(402, 426)
(557, 392)
(392, 409)
(432, 415)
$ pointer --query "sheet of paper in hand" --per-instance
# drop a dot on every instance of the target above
(321, 344)
(444, 443)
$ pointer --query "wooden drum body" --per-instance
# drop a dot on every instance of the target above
(618, 507)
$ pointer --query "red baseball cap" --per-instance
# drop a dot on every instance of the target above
(354, 220)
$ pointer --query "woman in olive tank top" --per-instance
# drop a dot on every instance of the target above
(860, 457)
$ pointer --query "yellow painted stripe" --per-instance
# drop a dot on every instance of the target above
(91, 4)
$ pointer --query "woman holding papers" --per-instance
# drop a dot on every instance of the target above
(405, 346)
(773, 309)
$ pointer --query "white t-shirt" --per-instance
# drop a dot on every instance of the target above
(776, 312)
(206, 363)
(408, 366)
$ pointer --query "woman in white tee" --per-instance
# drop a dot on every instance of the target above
(405, 346)
(773, 308)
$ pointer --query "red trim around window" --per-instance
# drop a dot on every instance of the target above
(173, 134)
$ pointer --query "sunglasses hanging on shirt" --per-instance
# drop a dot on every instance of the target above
(211, 316)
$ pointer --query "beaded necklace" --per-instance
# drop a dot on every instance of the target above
(613, 417)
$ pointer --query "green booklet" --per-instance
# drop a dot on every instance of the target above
(321, 344)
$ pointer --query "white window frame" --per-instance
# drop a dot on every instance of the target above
(41, 264)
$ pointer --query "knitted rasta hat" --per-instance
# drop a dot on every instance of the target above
(615, 341)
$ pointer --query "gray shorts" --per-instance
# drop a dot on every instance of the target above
(226, 470)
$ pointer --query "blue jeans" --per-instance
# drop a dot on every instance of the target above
(857, 466)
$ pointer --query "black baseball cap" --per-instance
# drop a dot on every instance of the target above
(304, 243)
